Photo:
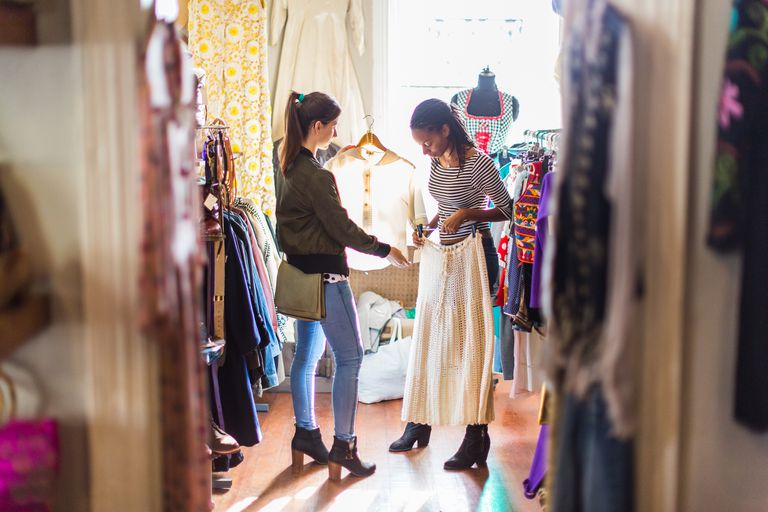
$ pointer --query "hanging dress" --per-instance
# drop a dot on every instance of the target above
(316, 57)
(228, 40)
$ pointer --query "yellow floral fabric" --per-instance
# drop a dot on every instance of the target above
(228, 39)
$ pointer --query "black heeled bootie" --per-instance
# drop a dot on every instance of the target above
(344, 455)
(307, 442)
(414, 432)
(473, 450)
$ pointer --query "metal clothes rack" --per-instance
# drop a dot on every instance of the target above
(235, 156)
(547, 139)
(212, 351)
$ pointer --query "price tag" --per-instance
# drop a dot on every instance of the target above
(210, 201)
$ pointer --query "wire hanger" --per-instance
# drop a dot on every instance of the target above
(369, 138)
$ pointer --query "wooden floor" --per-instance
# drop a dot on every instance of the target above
(414, 481)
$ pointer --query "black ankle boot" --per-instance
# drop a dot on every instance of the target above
(310, 443)
(413, 432)
(473, 450)
(344, 454)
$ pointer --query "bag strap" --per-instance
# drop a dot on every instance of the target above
(7, 410)
(397, 333)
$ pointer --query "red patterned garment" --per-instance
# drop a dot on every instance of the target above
(526, 212)
(501, 295)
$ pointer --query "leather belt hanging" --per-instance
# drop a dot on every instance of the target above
(218, 290)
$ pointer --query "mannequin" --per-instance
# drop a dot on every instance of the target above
(485, 97)
(487, 112)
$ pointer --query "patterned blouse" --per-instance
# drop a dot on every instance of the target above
(739, 215)
(526, 212)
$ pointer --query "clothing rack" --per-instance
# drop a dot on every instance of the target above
(547, 139)
(218, 127)
(223, 189)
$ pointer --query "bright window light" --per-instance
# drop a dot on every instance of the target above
(277, 505)
(243, 505)
(438, 47)
(305, 493)
(353, 499)
(167, 10)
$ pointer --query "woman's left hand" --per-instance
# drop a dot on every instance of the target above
(454, 222)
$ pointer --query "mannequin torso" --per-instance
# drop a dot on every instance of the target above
(487, 112)
(485, 100)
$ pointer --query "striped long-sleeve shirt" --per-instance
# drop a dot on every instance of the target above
(468, 186)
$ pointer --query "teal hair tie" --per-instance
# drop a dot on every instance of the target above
(301, 98)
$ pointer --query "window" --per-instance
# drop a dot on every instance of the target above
(438, 47)
(167, 10)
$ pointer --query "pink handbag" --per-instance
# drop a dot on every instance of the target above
(29, 461)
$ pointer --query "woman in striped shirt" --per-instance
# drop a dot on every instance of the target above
(462, 179)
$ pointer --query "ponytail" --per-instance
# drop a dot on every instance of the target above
(431, 115)
(301, 112)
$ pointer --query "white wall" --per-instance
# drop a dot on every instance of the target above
(41, 173)
(41, 143)
(725, 466)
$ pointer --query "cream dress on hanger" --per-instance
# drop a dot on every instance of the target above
(316, 57)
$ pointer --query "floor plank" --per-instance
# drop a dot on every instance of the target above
(411, 482)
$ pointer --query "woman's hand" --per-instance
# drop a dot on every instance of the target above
(418, 241)
(454, 222)
(396, 258)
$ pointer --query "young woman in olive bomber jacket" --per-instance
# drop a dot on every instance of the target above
(314, 230)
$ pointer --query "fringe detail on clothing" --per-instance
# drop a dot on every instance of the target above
(449, 378)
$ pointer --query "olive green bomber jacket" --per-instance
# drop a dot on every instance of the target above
(313, 228)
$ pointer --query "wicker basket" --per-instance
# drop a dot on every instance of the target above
(398, 284)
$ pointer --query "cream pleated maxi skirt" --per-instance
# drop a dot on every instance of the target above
(449, 379)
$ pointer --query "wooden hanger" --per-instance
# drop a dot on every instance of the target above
(370, 139)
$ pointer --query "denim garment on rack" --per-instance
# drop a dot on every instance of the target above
(594, 470)
(269, 346)
(506, 347)
(491, 265)
(513, 283)
(243, 341)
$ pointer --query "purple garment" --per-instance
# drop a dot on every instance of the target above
(538, 466)
(542, 229)
(29, 465)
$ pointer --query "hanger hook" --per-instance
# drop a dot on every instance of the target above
(371, 121)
